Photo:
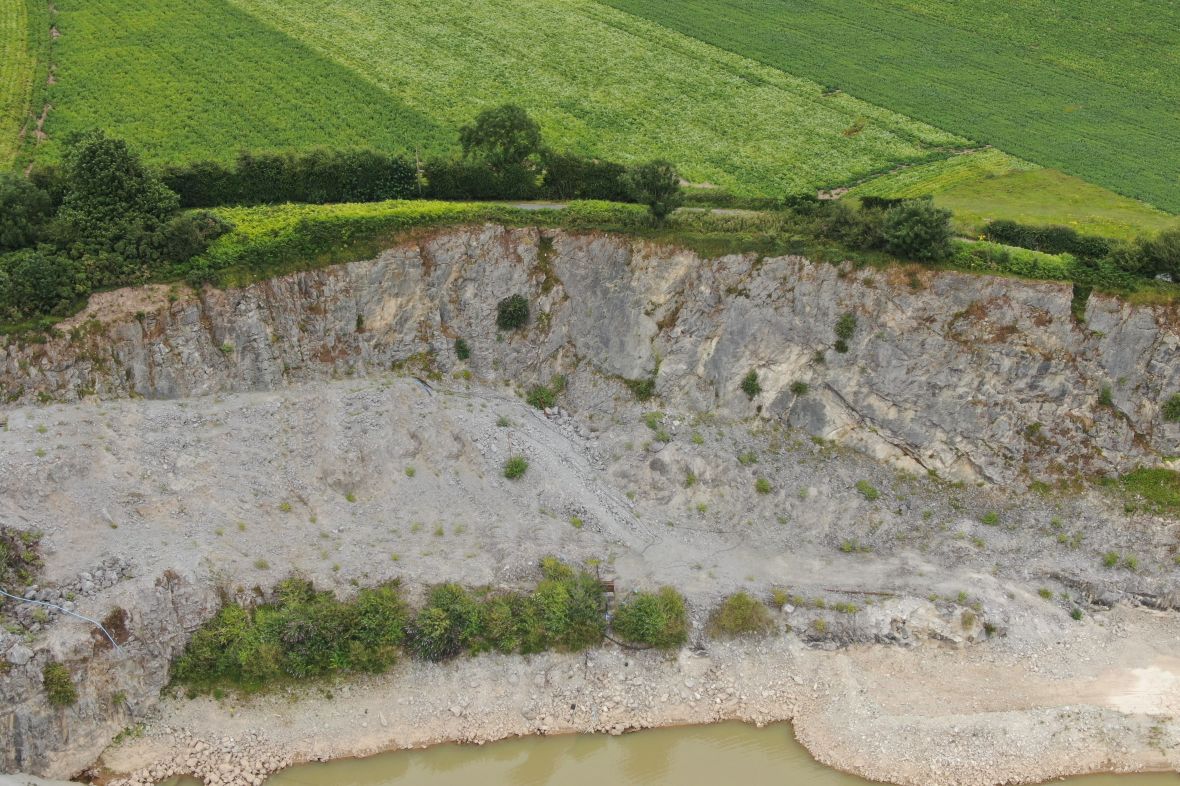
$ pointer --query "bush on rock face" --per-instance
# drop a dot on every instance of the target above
(512, 313)
(740, 615)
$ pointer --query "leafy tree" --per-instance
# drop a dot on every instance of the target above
(917, 229)
(657, 185)
(114, 210)
(505, 137)
(24, 210)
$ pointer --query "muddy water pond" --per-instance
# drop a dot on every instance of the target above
(688, 756)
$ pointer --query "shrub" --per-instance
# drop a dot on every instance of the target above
(1049, 240)
(476, 180)
(657, 619)
(762, 486)
(642, 389)
(868, 490)
(991, 518)
(446, 625)
(542, 397)
(512, 313)
(515, 467)
(750, 384)
(1105, 397)
(462, 350)
(657, 185)
(740, 615)
(1161, 255)
(59, 686)
(918, 230)
(1171, 408)
(564, 612)
(39, 281)
(799, 388)
(19, 559)
(573, 177)
(1111, 558)
(317, 176)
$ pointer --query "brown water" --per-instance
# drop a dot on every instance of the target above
(723, 753)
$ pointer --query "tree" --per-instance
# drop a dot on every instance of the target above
(656, 619)
(24, 209)
(114, 209)
(505, 137)
(657, 185)
(918, 230)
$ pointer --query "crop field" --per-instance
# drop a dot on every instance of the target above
(988, 184)
(182, 82)
(1088, 87)
(18, 68)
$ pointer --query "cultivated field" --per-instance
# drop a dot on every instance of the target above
(989, 184)
(181, 82)
(18, 65)
(1088, 87)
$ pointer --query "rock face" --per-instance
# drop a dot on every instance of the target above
(972, 377)
(113, 686)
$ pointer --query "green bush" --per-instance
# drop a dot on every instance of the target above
(512, 313)
(59, 686)
(740, 615)
(569, 176)
(750, 385)
(917, 229)
(303, 633)
(846, 326)
(1171, 408)
(448, 624)
(541, 397)
(657, 619)
(799, 388)
(657, 185)
(515, 467)
(462, 350)
(1049, 240)
(19, 557)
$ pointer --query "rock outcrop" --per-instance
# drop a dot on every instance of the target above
(970, 376)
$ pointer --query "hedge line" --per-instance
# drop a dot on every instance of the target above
(304, 633)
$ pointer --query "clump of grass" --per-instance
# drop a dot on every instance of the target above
(762, 486)
(799, 389)
(854, 546)
(750, 385)
(740, 615)
(690, 479)
(991, 518)
(845, 607)
(350, 497)
(515, 467)
(462, 349)
(261, 564)
(653, 419)
(1105, 397)
(696, 438)
(1076, 613)
(868, 490)
(967, 619)
(1045, 593)
(1131, 563)
(411, 472)
(845, 330)
(747, 458)
(503, 421)
(1156, 489)
(779, 597)
(285, 507)
(1111, 558)
(576, 522)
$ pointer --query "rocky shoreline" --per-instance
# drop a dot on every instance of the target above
(985, 715)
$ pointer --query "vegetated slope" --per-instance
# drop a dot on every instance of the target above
(184, 80)
(186, 83)
(988, 185)
(18, 65)
(1087, 87)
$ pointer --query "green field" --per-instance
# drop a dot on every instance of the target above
(18, 69)
(989, 185)
(1088, 87)
(181, 82)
